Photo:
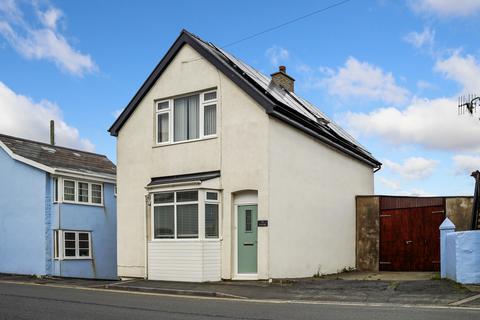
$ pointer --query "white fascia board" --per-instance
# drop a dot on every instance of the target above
(84, 175)
(25, 160)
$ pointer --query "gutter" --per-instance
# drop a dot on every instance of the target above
(72, 173)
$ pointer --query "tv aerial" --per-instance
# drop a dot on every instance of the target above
(467, 104)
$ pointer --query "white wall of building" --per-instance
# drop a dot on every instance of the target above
(305, 189)
(240, 152)
(312, 193)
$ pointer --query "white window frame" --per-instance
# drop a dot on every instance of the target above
(74, 191)
(90, 190)
(202, 195)
(59, 250)
(175, 203)
(169, 110)
(56, 190)
(203, 104)
(209, 201)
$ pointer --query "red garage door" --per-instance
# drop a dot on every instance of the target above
(409, 235)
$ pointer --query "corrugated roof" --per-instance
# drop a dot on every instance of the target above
(59, 157)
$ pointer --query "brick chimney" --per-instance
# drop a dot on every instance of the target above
(282, 79)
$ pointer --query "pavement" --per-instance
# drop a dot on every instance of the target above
(351, 287)
(19, 300)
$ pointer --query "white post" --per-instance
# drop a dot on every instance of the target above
(446, 227)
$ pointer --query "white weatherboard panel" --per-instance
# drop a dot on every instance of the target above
(184, 260)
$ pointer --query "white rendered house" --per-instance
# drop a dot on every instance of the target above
(225, 173)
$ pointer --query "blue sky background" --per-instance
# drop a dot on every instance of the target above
(387, 71)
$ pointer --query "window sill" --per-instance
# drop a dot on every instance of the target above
(83, 203)
(72, 258)
(159, 145)
(185, 240)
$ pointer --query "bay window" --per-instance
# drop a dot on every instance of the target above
(186, 118)
(176, 215)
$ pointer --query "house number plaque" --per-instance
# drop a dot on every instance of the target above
(262, 223)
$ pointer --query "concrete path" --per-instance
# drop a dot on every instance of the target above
(385, 276)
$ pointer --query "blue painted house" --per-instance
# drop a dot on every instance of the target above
(57, 211)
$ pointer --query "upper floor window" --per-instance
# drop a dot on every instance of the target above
(186, 118)
(82, 192)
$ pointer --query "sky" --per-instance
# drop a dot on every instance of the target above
(388, 71)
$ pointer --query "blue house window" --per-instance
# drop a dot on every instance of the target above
(82, 192)
(72, 245)
(55, 189)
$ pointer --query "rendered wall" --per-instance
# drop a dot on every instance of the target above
(239, 152)
(101, 221)
(22, 217)
(463, 257)
(312, 193)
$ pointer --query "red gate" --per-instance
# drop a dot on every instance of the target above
(409, 235)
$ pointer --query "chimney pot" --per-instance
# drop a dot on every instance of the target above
(52, 132)
(282, 79)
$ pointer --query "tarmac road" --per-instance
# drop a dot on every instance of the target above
(29, 301)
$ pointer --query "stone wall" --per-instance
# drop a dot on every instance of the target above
(368, 235)
(459, 211)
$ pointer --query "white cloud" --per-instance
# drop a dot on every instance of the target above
(446, 8)
(25, 118)
(424, 39)
(391, 184)
(117, 113)
(425, 85)
(50, 17)
(466, 164)
(361, 79)
(396, 189)
(415, 192)
(277, 54)
(43, 41)
(464, 69)
(433, 124)
(414, 168)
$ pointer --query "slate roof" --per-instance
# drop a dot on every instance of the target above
(284, 105)
(57, 157)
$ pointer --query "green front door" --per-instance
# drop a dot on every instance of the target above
(247, 239)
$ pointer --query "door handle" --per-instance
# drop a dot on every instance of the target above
(248, 244)
(408, 241)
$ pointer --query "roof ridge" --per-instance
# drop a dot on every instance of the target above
(258, 85)
(51, 146)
